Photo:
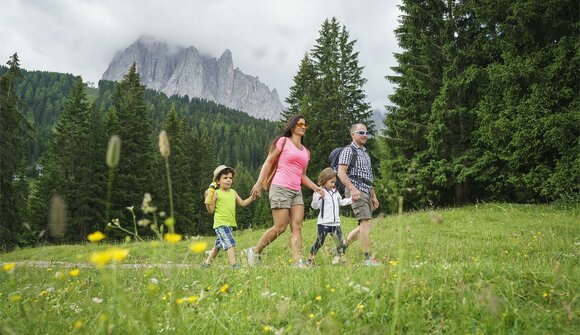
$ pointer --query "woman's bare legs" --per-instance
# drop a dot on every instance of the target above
(281, 218)
(296, 220)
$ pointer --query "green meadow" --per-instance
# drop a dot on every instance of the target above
(481, 269)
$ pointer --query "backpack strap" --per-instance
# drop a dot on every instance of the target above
(353, 159)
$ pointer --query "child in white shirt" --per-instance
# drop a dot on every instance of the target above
(329, 216)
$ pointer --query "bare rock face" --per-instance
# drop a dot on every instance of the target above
(183, 71)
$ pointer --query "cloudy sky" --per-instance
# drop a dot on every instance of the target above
(267, 38)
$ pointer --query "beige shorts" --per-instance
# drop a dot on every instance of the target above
(282, 197)
(362, 207)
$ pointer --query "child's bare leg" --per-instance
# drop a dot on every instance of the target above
(212, 254)
(232, 255)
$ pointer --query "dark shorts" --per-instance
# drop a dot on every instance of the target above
(362, 208)
(225, 239)
(282, 197)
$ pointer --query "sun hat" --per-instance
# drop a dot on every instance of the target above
(219, 169)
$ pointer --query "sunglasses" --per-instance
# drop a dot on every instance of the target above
(361, 132)
(302, 125)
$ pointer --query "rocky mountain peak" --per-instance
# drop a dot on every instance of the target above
(184, 71)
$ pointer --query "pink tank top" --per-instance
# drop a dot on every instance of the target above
(291, 164)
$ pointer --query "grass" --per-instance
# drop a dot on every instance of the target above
(485, 269)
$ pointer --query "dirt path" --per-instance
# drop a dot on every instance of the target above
(50, 264)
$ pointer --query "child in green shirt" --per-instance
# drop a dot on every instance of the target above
(222, 202)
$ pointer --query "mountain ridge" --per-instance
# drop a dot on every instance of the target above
(185, 71)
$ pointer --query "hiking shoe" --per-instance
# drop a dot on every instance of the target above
(335, 260)
(300, 264)
(253, 258)
(371, 262)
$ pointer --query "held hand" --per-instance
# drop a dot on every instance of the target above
(256, 190)
(320, 192)
(355, 194)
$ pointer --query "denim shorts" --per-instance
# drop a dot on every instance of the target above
(362, 207)
(225, 239)
(282, 197)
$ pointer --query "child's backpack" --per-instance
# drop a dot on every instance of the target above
(333, 160)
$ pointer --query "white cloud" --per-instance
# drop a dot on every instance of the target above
(267, 38)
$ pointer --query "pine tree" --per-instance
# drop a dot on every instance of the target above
(300, 98)
(207, 164)
(328, 91)
(134, 175)
(73, 166)
(15, 131)
(181, 174)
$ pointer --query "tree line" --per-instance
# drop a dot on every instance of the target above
(486, 105)
(72, 164)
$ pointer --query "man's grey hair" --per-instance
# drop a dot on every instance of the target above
(354, 125)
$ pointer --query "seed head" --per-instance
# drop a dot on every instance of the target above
(114, 151)
(164, 144)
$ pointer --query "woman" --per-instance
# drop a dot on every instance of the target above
(285, 191)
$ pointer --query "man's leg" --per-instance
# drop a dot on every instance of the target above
(365, 236)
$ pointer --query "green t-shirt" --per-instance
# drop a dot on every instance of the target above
(225, 209)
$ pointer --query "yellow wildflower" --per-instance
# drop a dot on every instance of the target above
(9, 267)
(172, 238)
(15, 298)
(198, 247)
(394, 263)
(225, 288)
(78, 324)
(96, 236)
(75, 272)
(152, 288)
(100, 258)
(118, 254)
(193, 298)
(318, 298)
(311, 316)
(179, 301)
(360, 306)
(267, 328)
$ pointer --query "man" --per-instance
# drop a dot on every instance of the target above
(358, 185)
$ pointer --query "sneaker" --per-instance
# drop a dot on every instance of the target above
(253, 258)
(300, 264)
(335, 260)
(371, 262)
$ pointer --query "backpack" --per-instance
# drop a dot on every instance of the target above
(333, 160)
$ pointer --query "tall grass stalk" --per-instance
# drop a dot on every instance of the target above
(165, 151)
(401, 253)
(112, 160)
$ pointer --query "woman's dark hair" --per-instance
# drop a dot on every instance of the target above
(287, 132)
